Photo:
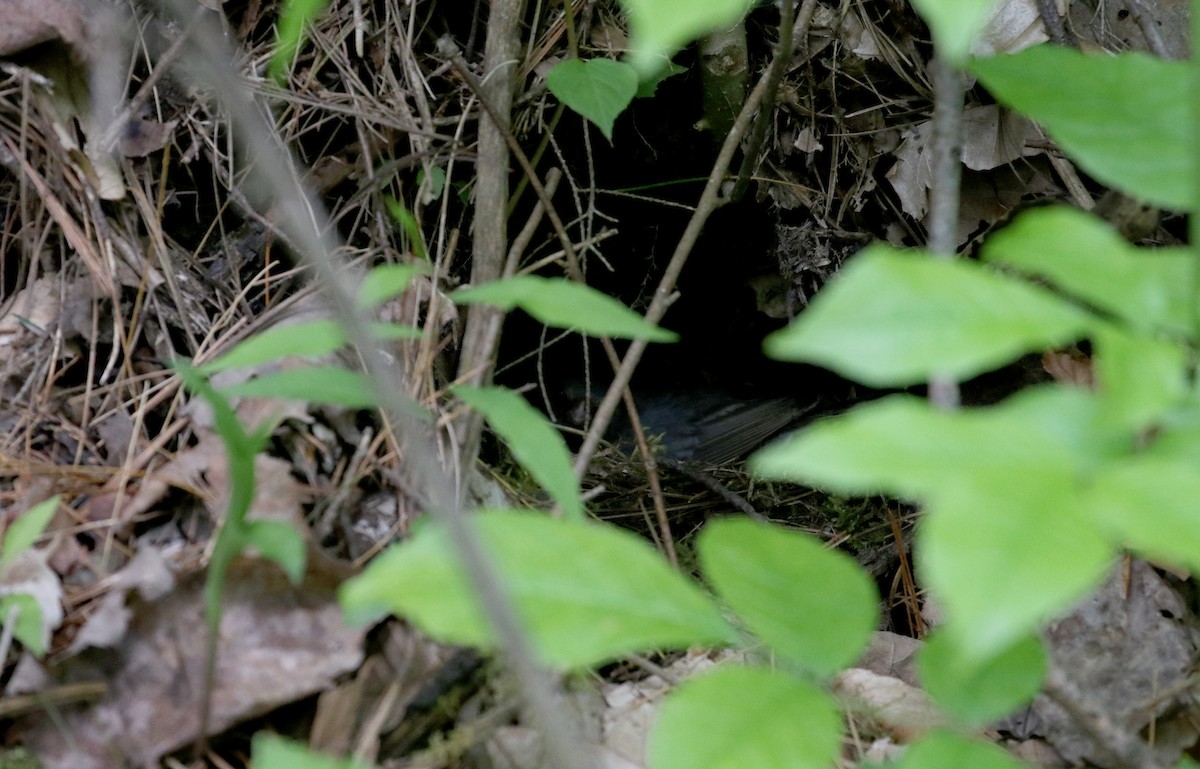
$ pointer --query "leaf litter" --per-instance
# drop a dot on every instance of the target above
(116, 261)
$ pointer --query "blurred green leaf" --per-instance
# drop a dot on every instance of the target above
(311, 339)
(895, 318)
(1124, 118)
(660, 28)
(281, 543)
(976, 691)
(409, 224)
(385, 282)
(26, 528)
(903, 446)
(1149, 503)
(586, 593)
(1140, 378)
(566, 304)
(270, 751)
(737, 717)
(943, 750)
(27, 627)
(812, 604)
(954, 24)
(1036, 536)
(535, 443)
(315, 384)
(294, 17)
(1150, 290)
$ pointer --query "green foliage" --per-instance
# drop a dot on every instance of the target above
(21, 534)
(954, 24)
(895, 317)
(737, 717)
(1083, 256)
(27, 628)
(409, 224)
(25, 530)
(975, 692)
(274, 540)
(270, 751)
(757, 569)
(293, 18)
(566, 304)
(534, 442)
(317, 384)
(587, 593)
(385, 282)
(661, 27)
(944, 750)
(598, 89)
(1126, 119)
(1037, 494)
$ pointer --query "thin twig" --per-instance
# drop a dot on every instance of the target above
(1058, 32)
(944, 196)
(758, 133)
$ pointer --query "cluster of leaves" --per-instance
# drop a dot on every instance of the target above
(1037, 493)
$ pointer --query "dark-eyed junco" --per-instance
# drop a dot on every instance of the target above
(707, 426)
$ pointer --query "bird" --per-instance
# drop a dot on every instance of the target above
(706, 426)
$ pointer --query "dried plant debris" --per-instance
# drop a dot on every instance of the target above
(129, 240)
(1128, 652)
(278, 643)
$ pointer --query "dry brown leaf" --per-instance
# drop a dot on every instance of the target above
(203, 469)
(1130, 653)
(27, 23)
(1069, 366)
(891, 654)
(905, 712)
(278, 643)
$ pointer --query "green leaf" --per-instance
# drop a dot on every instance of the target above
(1140, 378)
(1084, 256)
(535, 443)
(26, 529)
(310, 339)
(1124, 118)
(281, 543)
(566, 304)
(432, 184)
(598, 89)
(28, 626)
(293, 18)
(270, 751)
(386, 281)
(979, 691)
(943, 750)
(737, 717)
(316, 384)
(1035, 536)
(954, 24)
(409, 224)
(1148, 503)
(903, 446)
(660, 28)
(812, 604)
(586, 593)
(896, 318)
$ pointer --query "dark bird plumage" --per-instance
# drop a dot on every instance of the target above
(706, 426)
